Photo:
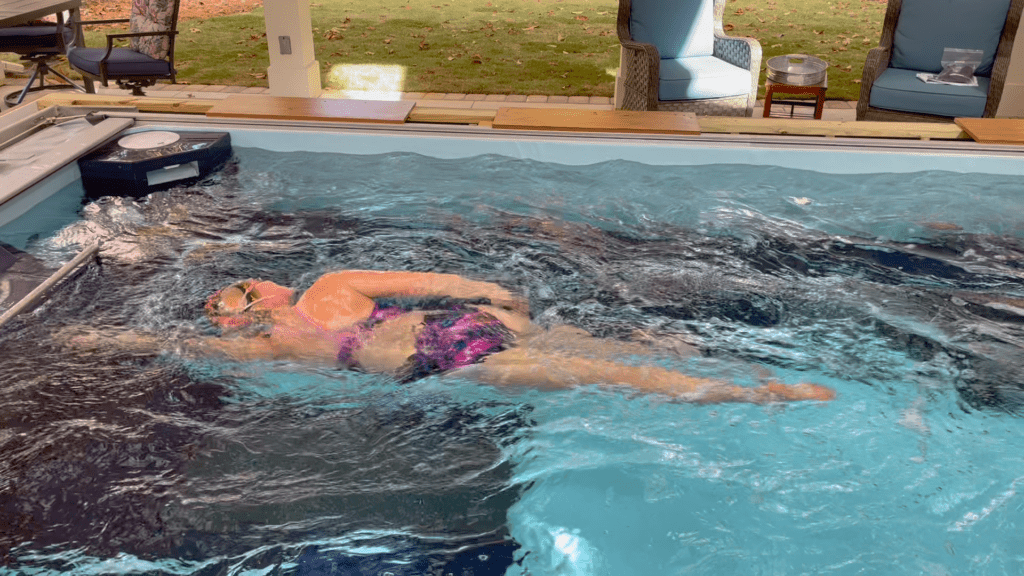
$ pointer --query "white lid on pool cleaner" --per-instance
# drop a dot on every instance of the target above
(146, 140)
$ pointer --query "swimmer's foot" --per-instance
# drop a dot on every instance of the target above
(776, 392)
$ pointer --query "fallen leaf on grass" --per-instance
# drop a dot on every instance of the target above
(857, 81)
(776, 45)
(424, 45)
(728, 27)
(530, 28)
(582, 18)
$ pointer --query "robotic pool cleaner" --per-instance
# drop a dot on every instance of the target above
(140, 163)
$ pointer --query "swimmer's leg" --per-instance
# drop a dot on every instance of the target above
(530, 367)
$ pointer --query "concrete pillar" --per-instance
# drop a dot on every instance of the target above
(294, 70)
(1012, 103)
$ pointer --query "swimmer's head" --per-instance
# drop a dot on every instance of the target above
(232, 306)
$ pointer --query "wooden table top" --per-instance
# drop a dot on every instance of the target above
(15, 12)
(993, 130)
(336, 110)
(615, 121)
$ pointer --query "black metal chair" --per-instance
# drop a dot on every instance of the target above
(149, 56)
(38, 43)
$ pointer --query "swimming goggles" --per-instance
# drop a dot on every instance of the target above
(250, 297)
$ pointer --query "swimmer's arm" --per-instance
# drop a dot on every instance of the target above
(91, 339)
(264, 348)
(373, 284)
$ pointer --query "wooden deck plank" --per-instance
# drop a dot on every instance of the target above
(143, 104)
(615, 121)
(450, 115)
(993, 130)
(834, 128)
(323, 109)
(707, 124)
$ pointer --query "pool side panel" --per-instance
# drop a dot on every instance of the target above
(37, 167)
(851, 156)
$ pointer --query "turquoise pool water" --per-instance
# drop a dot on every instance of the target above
(902, 291)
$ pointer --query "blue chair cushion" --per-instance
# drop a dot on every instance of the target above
(678, 28)
(902, 90)
(29, 39)
(122, 62)
(926, 27)
(701, 77)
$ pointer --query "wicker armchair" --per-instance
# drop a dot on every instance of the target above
(675, 56)
(889, 89)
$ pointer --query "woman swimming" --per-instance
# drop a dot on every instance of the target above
(339, 320)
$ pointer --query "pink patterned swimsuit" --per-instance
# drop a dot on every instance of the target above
(450, 339)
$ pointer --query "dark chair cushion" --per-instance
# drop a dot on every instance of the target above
(29, 40)
(901, 90)
(122, 62)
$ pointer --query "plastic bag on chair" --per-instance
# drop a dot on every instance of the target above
(958, 66)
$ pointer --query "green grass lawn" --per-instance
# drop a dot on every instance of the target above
(564, 47)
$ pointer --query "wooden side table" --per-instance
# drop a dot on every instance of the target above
(818, 90)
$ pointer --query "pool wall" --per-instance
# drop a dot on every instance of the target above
(27, 186)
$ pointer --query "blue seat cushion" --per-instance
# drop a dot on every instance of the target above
(902, 90)
(701, 77)
(926, 27)
(122, 62)
(29, 39)
(678, 28)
